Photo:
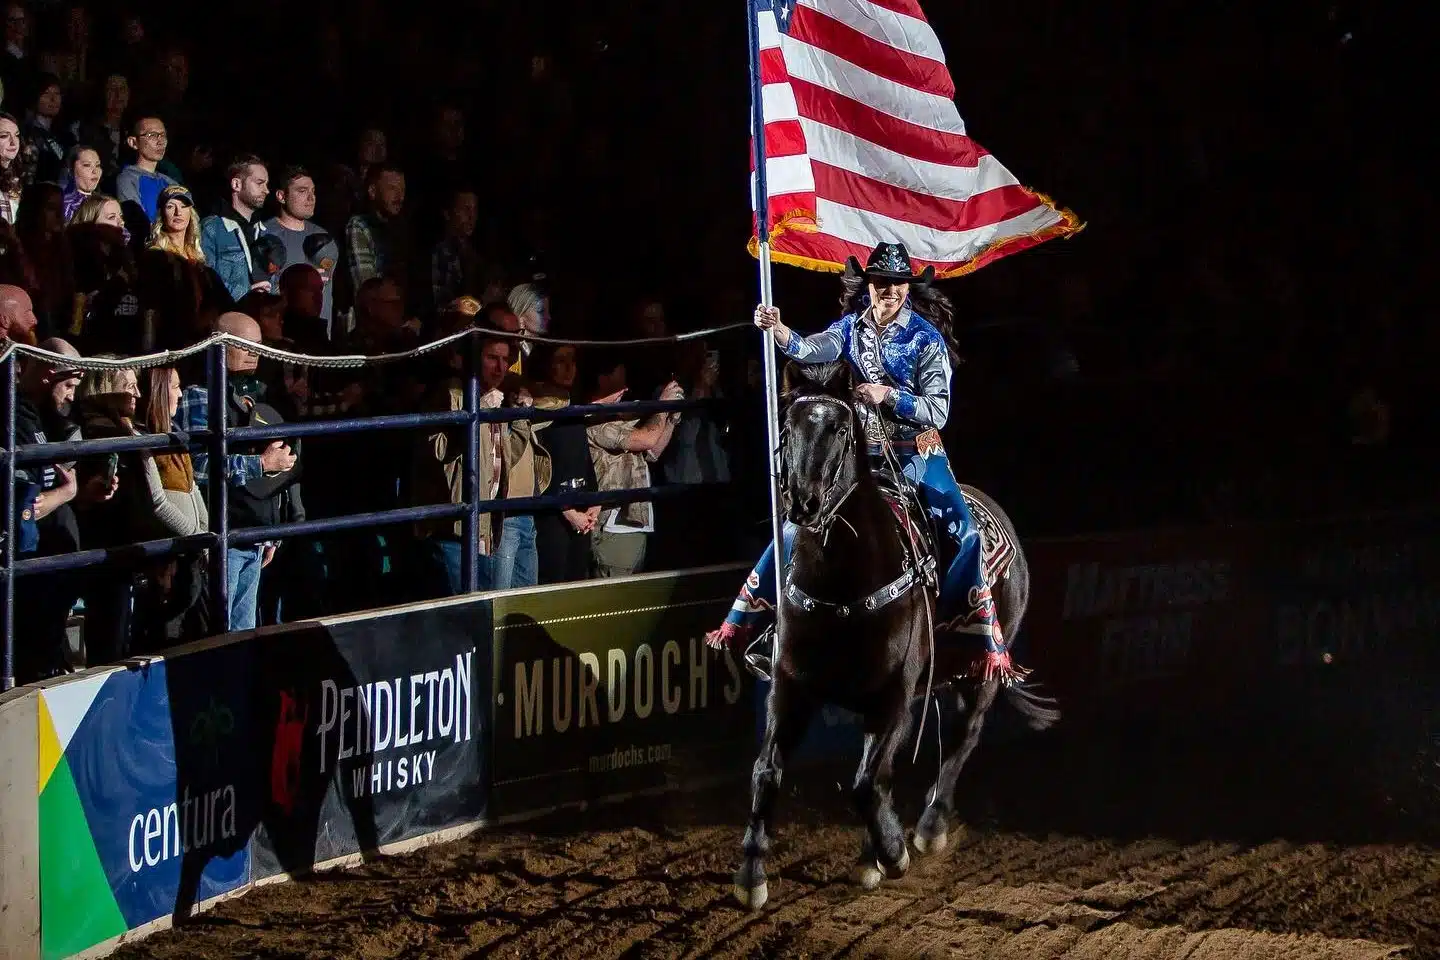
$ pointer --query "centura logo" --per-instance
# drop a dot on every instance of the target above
(357, 722)
(287, 751)
(629, 681)
(188, 824)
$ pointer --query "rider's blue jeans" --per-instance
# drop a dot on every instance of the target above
(965, 603)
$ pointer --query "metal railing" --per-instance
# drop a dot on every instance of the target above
(216, 442)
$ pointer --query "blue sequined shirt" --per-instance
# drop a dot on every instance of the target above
(909, 355)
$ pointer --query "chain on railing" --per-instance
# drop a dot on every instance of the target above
(348, 361)
(221, 537)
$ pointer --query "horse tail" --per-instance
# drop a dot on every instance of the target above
(1041, 712)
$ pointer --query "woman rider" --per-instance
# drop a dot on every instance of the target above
(895, 334)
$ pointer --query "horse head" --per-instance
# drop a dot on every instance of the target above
(819, 447)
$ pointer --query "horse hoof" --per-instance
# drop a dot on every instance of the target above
(867, 876)
(900, 869)
(752, 898)
(931, 845)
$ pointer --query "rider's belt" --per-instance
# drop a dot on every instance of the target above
(927, 442)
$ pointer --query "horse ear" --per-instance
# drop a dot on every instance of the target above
(791, 376)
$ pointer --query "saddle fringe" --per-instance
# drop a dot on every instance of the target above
(729, 635)
(997, 665)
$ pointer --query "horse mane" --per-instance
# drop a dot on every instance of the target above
(833, 379)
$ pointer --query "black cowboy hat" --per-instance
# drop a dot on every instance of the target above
(889, 261)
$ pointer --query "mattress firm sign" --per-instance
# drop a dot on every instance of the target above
(609, 687)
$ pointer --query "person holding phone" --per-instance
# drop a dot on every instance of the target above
(622, 451)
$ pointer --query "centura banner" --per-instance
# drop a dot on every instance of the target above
(374, 731)
(142, 795)
(608, 687)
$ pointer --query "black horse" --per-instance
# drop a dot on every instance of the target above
(855, 630)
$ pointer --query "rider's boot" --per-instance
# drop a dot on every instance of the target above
(968, 607)
(754, 607)
(966, 604)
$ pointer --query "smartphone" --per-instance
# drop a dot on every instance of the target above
(112, 466)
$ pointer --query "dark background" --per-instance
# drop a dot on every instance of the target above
(1248, 292)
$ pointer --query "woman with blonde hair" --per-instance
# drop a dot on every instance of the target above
(175, 280)
(157, 497)
(177, 229)
(101, 208)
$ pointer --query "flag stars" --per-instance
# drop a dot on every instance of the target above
(784, 9)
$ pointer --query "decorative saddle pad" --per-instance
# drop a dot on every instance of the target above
(998, 547)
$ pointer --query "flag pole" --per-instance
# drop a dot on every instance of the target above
(761, 201)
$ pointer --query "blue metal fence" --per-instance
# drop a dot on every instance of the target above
(216, 442)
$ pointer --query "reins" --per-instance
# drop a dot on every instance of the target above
(914, 571)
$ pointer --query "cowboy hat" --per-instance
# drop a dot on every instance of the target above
(889, 261)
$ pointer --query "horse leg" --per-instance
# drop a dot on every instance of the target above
(882, 852)
(932, 832)
(787, 714)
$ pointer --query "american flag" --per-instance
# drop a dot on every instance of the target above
(863, 144)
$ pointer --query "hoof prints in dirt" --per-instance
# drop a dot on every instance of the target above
(630, 892)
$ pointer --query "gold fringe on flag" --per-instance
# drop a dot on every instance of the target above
(806, 222)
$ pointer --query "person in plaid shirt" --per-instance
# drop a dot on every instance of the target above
(193, 415)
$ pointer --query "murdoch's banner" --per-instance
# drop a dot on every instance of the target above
(608, 688)
(375, 731)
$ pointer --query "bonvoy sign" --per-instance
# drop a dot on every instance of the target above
(613, 670)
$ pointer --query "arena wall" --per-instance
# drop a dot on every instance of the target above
(249, 759)
(19, 828)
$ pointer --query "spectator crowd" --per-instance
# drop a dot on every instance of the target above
(371, 180)
(124, 234)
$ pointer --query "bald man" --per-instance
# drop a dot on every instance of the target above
(243, 326)
(17, 315)
(250, 472)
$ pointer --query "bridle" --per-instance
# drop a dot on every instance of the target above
(916, 569)
(833, 495)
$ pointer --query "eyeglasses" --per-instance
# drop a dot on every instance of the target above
(154, 136)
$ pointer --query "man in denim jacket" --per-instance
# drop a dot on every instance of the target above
(228, 239)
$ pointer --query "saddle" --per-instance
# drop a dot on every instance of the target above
(922, 539)
(917, 527)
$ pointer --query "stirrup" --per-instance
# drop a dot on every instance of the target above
(758, 654)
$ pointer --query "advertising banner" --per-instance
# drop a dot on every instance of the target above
(374, 731)
(141, 801)
(608, 688)
(1349, 592)
(1113, 611)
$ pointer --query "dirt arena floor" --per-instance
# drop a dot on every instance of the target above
(1235, 840)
